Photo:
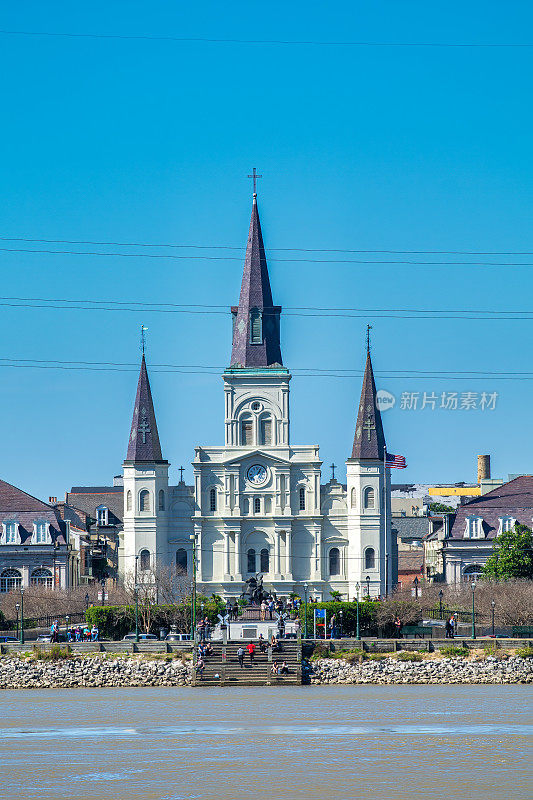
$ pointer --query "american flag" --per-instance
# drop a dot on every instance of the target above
(395, 462)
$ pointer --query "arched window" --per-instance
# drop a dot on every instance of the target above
(10, 579)
(42, 577)
(161, 500)
(256, 332)
(144, 500)
(128, 501)
(302, 498)
(264, 560)
(353, 497)
(266, 430)
(473, 572)
(334, 561)
(369, 497)
(212, 500)
(144, 560)
(370, 558)
(247, 431)
(251, 560)
(257, 505)
(181, 560)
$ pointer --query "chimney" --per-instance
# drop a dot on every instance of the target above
(483, 468)
(52, 500)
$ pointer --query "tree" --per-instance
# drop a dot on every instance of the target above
(512, 556)
(440, 508)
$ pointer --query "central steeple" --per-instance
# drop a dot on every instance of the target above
(369, 439)
(256, 339)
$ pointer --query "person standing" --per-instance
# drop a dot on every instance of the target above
(251, 653)
(398, 625)
(448, 629)
(240, 656)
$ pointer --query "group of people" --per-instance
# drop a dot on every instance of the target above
(450, 627)
(203, 627)
(75, 634)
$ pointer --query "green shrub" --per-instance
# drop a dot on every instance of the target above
(525, 652)
(407, 656)
(321, 651)
(378, 656)
(454, 652)
(56, 653)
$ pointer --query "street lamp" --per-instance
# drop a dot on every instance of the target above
(441, 595)
(473, 609)
(192, 537)
(306, 587)
(136, 592)
(368, 586)
(103, 591)
(416, 587)
(340, 615)
(87, 601)
(21, 615)
(17, 607)
(67, 620)
(358, 631)
(493, 604)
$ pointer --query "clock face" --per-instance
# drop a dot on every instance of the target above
(257, 474)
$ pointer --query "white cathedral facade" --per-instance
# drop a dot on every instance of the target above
(258, 504)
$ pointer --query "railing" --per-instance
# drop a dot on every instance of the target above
(46, 621)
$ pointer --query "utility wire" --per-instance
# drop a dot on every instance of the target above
(270, 249)
(174, 257)
(300, 42)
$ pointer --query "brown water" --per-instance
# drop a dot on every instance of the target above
(327, 742)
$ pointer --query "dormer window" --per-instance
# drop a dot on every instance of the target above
(102, 515)
(11, 532)
(41, 532)
(506, 524)
(474, 527)
(256, 327)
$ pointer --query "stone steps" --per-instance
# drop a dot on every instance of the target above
(260, 674)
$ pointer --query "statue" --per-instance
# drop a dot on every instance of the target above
(253, 590)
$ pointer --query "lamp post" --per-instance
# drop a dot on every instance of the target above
(441, 595)
(22, 615)
(17, 608)
(473, 609)
(357, 630)
(67, 620)
(136, 592)
(87, 601)
(340, 615)
(193, 607)
(103, 591)
(416, 587)
(368, 586)
(493, 605)
(305, 610)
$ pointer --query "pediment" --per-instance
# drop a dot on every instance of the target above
(254, 454)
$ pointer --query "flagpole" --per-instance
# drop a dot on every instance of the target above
(385, 513)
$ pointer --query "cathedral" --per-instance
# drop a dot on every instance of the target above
(258, 504)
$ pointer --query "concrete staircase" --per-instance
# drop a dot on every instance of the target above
(225, 664)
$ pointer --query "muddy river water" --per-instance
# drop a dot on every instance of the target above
(327, 742)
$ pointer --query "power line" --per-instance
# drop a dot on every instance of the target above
(310, 311)
(174, 257)
(270, 249)
(300, 42)
(301, 372)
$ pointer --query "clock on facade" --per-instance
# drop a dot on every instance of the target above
(257, 474)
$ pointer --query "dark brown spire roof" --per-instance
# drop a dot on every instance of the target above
(144, 443)
(255, 294)
(369, 439)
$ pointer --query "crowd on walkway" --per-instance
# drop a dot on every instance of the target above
(78, 633)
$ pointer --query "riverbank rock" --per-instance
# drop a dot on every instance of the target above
(442, 670)
(92, 671)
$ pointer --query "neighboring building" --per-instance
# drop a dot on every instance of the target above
(35, 544)
(257, 504)
(410, 533)
(97, 511)
(439, 530)
(478, 522)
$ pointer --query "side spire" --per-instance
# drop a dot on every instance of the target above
(144, 443)
(256, 338)
(369, 439)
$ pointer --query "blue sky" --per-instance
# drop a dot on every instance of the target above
(377, 148)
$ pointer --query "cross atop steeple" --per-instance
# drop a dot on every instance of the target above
(368, 329)
(254, 177)
(181, 474)
(333, 467)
